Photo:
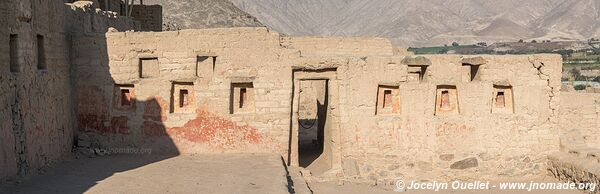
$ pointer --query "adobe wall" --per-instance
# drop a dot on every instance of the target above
(149, 16)
(116, 6)
(84, 17)
(242, 55)
(579, 155)
(579, 119)
(182, 101)
(474, 142)
(340, 46)
(37, 125)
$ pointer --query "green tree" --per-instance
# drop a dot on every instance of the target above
(580, 87)
(443, 51)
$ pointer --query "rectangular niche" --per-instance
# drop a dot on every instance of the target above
(388, 100)
(14, 53)
(471, 72)
(242, 98)
(182, 97)
(149, 68)
(41, 51)
(416, 73)
(446, 100)
(124, 97)
(502, 100)
(205, 65)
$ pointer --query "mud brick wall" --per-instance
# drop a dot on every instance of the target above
(231, 56)
(235, 91)
(504, 122)
(150, 16)
(474, 142)
(116, 6)
(83, 17)
(332, 46)
(37, 125)
(580, 119)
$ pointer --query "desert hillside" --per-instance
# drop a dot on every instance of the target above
(185, 14)
(432, 22)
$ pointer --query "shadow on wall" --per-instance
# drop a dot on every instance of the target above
(312, 110)
(150, 17)
(109, 113)
(311, 136)
(106, 124)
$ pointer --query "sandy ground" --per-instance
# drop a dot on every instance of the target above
(239, 173)
(223, 173)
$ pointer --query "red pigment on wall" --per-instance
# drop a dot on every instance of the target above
(91, 101)
(118, 125)
(93, 112)
(208, 128)
(451, 129)
(91, 108)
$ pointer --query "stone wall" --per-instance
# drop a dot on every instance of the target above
(37, 125)
(451, 116)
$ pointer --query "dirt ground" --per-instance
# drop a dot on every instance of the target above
(223, 173)
(231, 174)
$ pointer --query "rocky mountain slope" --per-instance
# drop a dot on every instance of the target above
(431, 22)
(184, 14)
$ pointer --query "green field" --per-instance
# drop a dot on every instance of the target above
(438, 49)
(582, 62)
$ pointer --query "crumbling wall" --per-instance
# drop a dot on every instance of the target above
(35, 100)
(215, 62)
(231, 90)
(502, 119)
(8, 166)
(580, 119)
(474, 141)
(150, 17)
(339, 46)
(578, 167)
(115, 6)
(85, 17)
(36, 124)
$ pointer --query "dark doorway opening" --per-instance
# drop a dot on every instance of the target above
(312, 117)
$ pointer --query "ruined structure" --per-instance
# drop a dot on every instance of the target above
(378, 115)
(37, 109)
(344, 108)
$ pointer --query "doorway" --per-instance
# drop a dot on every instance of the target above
(312, 116)
(314, 134)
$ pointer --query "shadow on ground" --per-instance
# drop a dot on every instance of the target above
(221, 173)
